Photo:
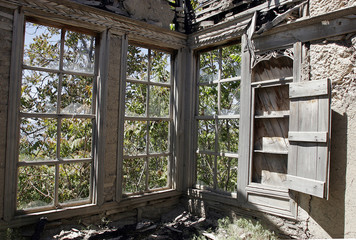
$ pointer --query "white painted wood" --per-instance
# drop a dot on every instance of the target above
(308, 136)
(308, 89)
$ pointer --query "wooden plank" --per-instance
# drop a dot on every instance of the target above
(273, 178)
(263, 200)
(306, 185)
(308, 89)
(320, 137)
(13, 121)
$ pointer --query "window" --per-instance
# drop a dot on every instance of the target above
(57, 118)
(148, 119)
(217, 118)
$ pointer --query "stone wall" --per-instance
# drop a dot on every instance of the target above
(318, 7)
(6, 18)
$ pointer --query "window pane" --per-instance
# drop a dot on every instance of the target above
(74, 182)
(158, 167)
(42, 46)
(137, 63)
(134, 171)
(35, 186)
(39, 92)
(135, 137)
(159, 101)
(77, 94)
(160, 67)
(38, 139)
(208, 100)
(159, 136)
(229, 135)
(206, 135)
(205, 170)
(230, 98)
(209, 66)
(231, 59)
(227, 173)
(79, 52)
(135, 100)
(76, 138)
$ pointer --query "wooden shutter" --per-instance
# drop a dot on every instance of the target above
(309, 137)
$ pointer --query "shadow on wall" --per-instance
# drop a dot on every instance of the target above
(330, 214)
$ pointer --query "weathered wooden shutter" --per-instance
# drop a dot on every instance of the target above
(309, 137)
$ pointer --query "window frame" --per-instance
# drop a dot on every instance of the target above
(217, 152)
(147, 119)
(12, 156)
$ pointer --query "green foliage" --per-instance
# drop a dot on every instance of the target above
(11, 234)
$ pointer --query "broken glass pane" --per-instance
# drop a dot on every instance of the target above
(227, 173)
(159, 136)
(79, 52)
(135, 135)
(35, 187)
(135, 99)
(206, 135)
(209, 66)
(208, 100)
(42, 45)
(230, 98)
(231, 61)
(39, 92)
(76, 139)
(160, 67)
(229, 135)
(74, 182)
(205, 170)
(137, 63)
(77, 94)
(159, 101)
(134, 175)
(38, 139)
(157, 168)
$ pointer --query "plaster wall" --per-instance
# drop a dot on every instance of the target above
(318, 7)
(6, 18)
(335, 59)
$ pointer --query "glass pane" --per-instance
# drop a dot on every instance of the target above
(206, 135)
(135, 99)
(42, 46)
(205, 170)
(229, 135)
(77, 94)
(76, 138)
(159, 101)
(134, 171)
(160, 67)
(38, 139)
(230, 98)
(208, 100)
(135, 135)
(39, 92)
(209, 66)
(137, 63)
(74, 182)
(35, 187)
(159, 136)
(227, 173)
(79, 52)
(158, 167)
(231, 59)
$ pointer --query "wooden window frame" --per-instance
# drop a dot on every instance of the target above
(14, 116)
(147, 119)
(216, 117)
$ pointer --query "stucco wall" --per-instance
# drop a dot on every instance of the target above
(318, 7)
(6, 18)
(335, 59)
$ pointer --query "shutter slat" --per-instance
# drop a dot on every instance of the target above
(306, 185)
(308, 89)
(321, 137)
